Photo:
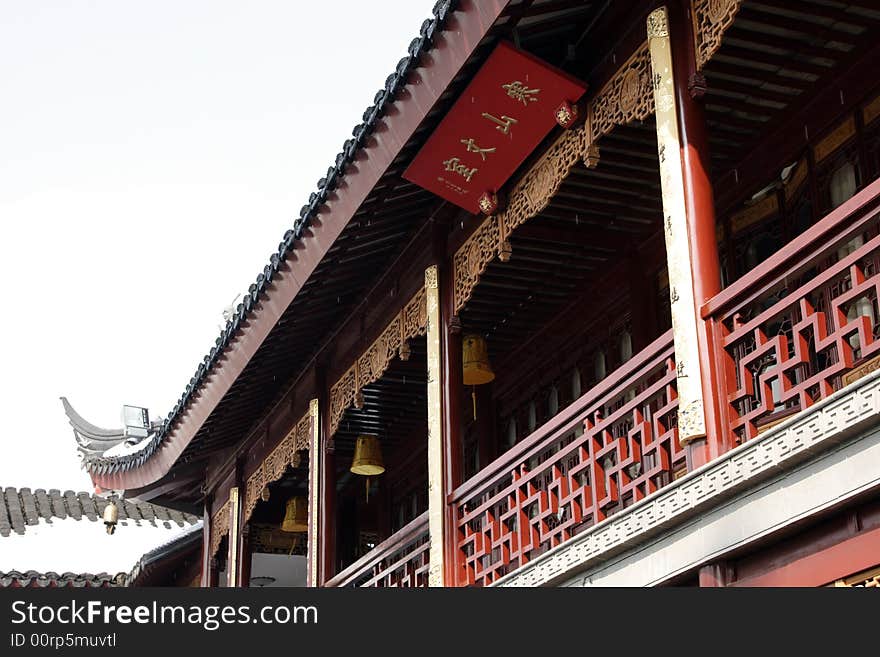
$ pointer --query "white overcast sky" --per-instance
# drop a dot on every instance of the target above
(152, 154)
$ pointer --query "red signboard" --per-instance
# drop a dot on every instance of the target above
(502, 115)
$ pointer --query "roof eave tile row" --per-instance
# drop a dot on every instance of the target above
(395, 82)
(21, 507)
(33, 579)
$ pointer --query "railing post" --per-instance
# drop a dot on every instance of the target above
(689, 227)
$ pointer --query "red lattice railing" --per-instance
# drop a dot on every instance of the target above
(399, 561)
(790, 331)
(607, 450)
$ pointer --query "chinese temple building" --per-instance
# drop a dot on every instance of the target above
(590, 297)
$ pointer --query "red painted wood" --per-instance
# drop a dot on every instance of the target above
(609, 449)
(815, 238)
(501, 128)
(327, 510)
(846, 558)
(700, 208)
(451, 389)
(787, 325)
(785, 142)
(467, 27)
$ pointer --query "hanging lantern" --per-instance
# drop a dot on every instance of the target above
(476, 369)
(111, 516)
(296, 515)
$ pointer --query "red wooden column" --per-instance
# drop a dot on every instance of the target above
(327, 488)
(451, 394)
(700, 206)
(689, 230)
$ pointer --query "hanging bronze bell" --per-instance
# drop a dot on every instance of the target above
(296, 516)
(111, 516)
(475, 361)
(367, 457)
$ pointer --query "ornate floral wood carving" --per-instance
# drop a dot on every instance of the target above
(286, 453)
(472, 258)
(529, 197)
(219, 526)
(628, 96)
(711, 20)
(410, 322)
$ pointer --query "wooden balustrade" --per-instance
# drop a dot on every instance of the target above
(789, 333)
(804, 323)
(611, 447)
(399, 561)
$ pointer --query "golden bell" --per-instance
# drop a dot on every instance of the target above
(475, 361)
(111, 516)
(296, 515)
(367, 457)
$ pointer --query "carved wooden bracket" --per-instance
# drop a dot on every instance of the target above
(711, 20)
(219, 526)
(628, 96)
(410, 322)
(286, 453)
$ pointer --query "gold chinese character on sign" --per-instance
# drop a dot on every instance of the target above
(473, 148)
(518, 91)
(454, 164)
(504, 122)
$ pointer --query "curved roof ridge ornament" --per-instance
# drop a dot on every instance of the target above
(87, 434)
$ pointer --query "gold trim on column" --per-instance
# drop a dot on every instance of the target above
(436, 503)
(371, 365)
(286, 453)
(234, 533)
(314, 493)
(711, 18)
(219, 527)
(691, 416)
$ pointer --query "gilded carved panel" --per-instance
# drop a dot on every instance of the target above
(628, 96)
(410, 322)
(286, 453)
(219, 526)
(711, 20)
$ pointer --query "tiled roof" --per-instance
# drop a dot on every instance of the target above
(21, 507)
(33, 579)
(99, 464)
(153, 559)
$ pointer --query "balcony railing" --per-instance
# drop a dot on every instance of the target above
(608, 449)
(802, 325)
(401, 560)
(805, 322)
